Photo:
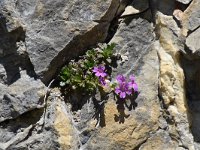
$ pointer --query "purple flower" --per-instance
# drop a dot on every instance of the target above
(133, 86)
(132, 78)
(100, 71)
(121, 78)
(102, 81)
(132, 83)
(123, 89)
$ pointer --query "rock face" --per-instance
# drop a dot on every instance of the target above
(193, 41)
(159, 44)
(53, 30)
(20, 97)
(128, 125)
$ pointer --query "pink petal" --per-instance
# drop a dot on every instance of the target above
(130, 85)
(132, 78)
(97, 74)
(129, 92)
(121, 78)
(117, 90)
(122, 95)
(102, 67)
(103, 74)
(95, 69)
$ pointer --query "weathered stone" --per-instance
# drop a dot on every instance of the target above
(159, 140)
(64, 127)
(37, 129)
(2, 74)
(126, 128)
(172, 90)
(20, 90)
(20, 97)
(38, 37)
(117, 125)
(57, 31)
(178, 14)
(193, 41)
(137, 6)
(191, 17)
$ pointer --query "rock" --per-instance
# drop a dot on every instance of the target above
(190, 62)
(57, 31)
(193, 41)
(38, 37)
(20, 90)
(178, 14)
(126, 128)
(159, 140)
(184, 1)
(39, 129)
(136, 7)
(20, 97)
(114, 124)
(130, 10)
(172, 90)
(2, 74)
(191, 17)
(64, 127)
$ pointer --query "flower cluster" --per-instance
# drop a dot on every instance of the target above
(100, 73)
(125, 87)
(92, 71)
(122, 87)
(87, 73)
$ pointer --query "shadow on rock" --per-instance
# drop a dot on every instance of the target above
(11, 59)
(123, 104)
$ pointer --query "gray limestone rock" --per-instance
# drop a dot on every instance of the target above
(37, 37)
(20, 97)
(134, 41)
(194, 20)
(160, 140)
(20, 90)
(194, 16)
(56, 31)
(32, 130)
(193, 41)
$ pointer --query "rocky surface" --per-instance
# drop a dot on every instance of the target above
(193, 41)
(159, 43)
(127, 124)
(56, 31)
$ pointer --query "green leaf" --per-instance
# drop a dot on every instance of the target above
(77, 78)
(66, 73)
(89, 63)
(108, 51)
(82, 84)
(90, 53)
